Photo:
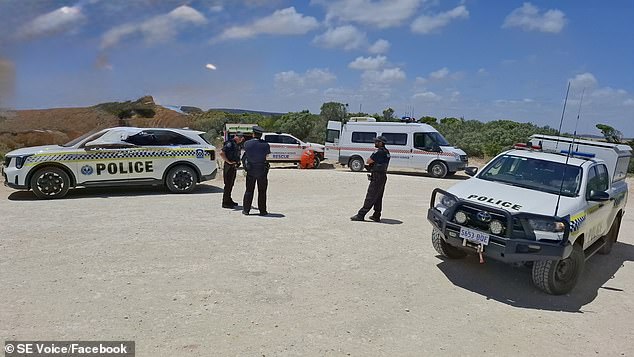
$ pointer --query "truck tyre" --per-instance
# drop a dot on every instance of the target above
(316, 162)
(611, 237)
(181, 179)
(50, 183)
(557, 277)
(443, 248)
(356, 164)
(438, 169)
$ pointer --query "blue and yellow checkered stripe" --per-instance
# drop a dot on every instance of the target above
(117, 155)
(576, 221)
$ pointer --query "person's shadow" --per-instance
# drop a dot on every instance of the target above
(513, 286)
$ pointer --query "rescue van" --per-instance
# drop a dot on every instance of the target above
(411, 146)
(551, 204)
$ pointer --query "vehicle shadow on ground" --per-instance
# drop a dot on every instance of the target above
(513, 286)
(105, 192)
(457, 177)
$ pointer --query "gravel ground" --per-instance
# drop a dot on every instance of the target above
(183, 277)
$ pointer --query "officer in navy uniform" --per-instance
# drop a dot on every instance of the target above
(231, 155)
(254, 160)
(377, 164)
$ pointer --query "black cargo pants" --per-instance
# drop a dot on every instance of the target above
(374, 197)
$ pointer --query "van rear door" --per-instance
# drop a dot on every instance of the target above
(333, 133)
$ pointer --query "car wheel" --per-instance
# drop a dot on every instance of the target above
(356, 164)
(443, 248)
(611, 237)
(438, 169)
(316, 162)
(50, 183)
(557, 277)
(181, 179)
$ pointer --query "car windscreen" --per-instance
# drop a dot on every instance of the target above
(93, 135)
(534, 174)
(439, 139)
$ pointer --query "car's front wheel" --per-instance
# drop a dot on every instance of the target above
(181, 179)
(558, 277)
(50, 183)
(316, 162)
(443, 248)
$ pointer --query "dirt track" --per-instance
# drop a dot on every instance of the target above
(181, 276)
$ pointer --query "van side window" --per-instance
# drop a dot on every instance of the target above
(396, 138)
(332, 135)
(425, 141)
(363, 137)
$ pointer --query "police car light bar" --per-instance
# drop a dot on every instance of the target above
(578, 154)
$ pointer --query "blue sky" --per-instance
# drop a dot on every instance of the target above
(475, 59)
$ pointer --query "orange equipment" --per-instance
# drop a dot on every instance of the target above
(308, 160)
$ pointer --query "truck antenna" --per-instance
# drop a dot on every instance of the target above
(562, 116)
(574, 137)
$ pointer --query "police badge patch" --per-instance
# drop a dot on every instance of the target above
(87, 170)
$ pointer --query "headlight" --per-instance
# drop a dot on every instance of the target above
(461, 217)
(20, 160)
(545, 225)
(444, 202)
(496, 227)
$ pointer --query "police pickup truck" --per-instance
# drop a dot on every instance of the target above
(551, 203)
(176, 158)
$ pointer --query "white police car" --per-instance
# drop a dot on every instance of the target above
(537, 204)
(177, 158)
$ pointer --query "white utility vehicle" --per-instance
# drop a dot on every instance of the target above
(551, 203)
(411, 146)
(123, 156)
(284, 147)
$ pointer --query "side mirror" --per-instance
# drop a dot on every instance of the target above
(600, 196)
(471, 170)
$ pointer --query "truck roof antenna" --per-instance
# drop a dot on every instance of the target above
(562, 116)
(574, 136)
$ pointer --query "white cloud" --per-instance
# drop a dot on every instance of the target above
(216, 8)
(380, 14)
(427, 96)
(385, 76)
(160, 28)
(311, 78)
(429, 23)
(528, 18)
(628, 102)
(63, 19)
(583, 80)
(380, 46)
(368, 63)
(439, 74)
(347, 37)
(281, 22)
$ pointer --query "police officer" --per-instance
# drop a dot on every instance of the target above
(231, 155)
(377, 164)
(254, 159)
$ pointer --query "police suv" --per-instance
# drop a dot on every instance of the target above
(177, 158)
(552, 203)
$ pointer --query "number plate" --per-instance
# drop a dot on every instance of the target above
(474, 236)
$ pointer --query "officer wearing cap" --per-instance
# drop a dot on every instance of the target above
(254, 159)
(377, 164)
(231, 155)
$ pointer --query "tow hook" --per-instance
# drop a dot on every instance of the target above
(480, 250)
